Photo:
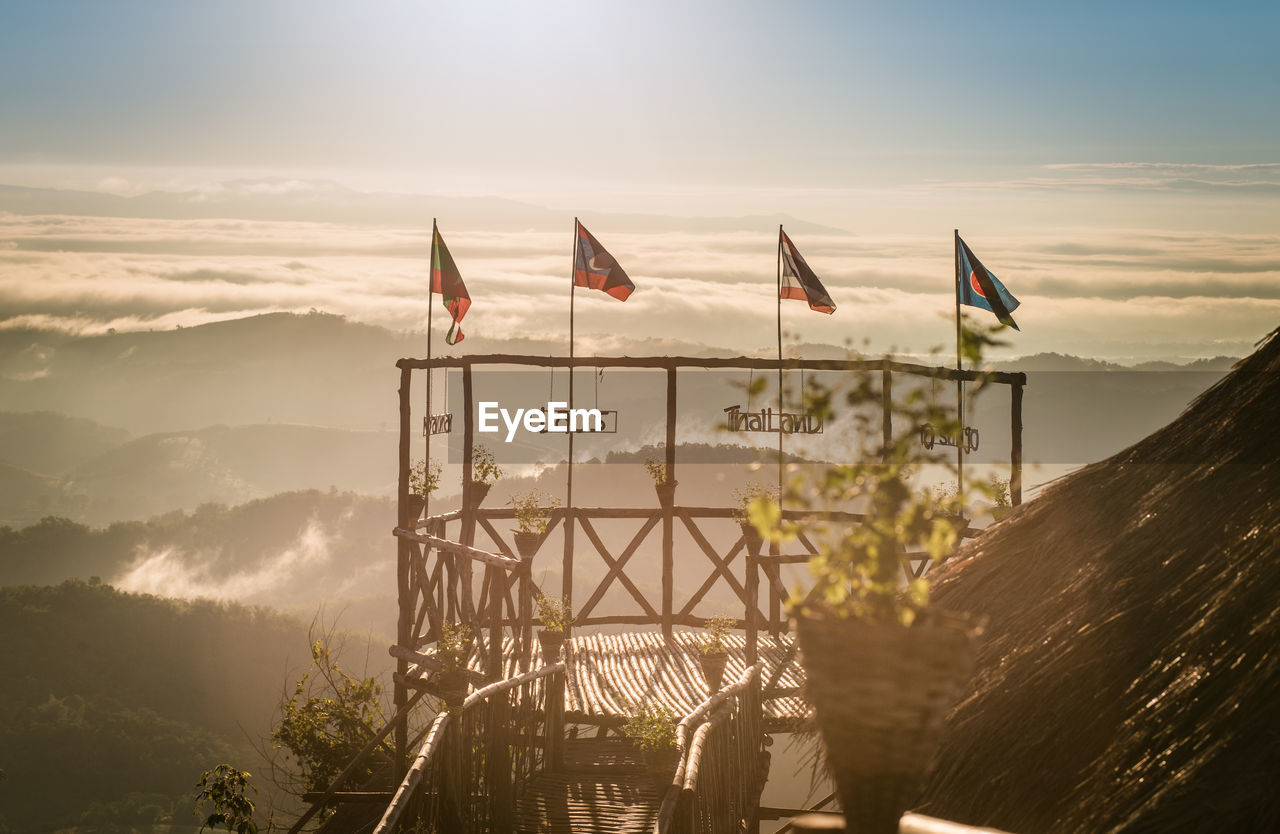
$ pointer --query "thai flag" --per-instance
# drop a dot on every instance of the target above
(798, 280)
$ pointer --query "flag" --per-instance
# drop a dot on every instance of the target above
(798, 280)
(446, 281)
(980, 288)
(596, 269)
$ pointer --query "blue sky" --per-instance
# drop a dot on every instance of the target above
(725, 93)
(1017, 122)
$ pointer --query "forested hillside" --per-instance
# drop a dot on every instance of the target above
(113, 704)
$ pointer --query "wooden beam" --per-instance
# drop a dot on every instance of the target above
(616, 566)
(742, 362)
(468, 553)
(720, 566)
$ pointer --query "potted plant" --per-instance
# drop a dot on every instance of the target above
(423, 480)
(484, 471)
(744, 499)
(532, 509)
(453, 649)
(556, 618)
(998, 490)
(652, 728)
(662, 483)
(882, 667)
(713, 652)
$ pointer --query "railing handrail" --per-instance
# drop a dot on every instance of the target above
(511, 683)
(686, 745)
(495, 559)
(414, 775)
(432, 742)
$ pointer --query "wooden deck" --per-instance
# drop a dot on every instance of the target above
(608, 674)
(602, 787)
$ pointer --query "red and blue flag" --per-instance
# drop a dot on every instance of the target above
(595, 269)
(978, 287)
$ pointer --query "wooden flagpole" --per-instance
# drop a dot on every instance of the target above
(567, 578)
(779, 300)
(573, 288)
(431, 304)
(959, 384)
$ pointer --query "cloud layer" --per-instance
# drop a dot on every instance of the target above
(1109, 293)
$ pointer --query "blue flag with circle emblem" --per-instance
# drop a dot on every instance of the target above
(978, 287)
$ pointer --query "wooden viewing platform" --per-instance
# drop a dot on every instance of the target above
(514, 755)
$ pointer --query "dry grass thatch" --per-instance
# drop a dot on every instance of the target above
(1130, 679)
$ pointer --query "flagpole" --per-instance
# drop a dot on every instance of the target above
(431, 286)
(573, 286)
(779, 300)
(959, 384)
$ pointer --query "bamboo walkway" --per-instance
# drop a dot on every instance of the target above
(608, 675)
(603, 787)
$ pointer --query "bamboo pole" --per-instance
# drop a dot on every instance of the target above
(959, 385)
(566, 568)
(404, 616)
(1015, 453)
(668, 549)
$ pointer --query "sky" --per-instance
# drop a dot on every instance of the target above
(1117, 165)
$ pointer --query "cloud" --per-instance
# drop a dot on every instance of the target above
(90, 274)
(174, 573)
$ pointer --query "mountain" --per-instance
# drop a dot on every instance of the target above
(329, 202)
(52, 443)
(319, 372)
(230, 465)
(306, 369)
(112, 704)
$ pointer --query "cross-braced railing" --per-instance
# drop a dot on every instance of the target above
(476, 760)
(723, 763)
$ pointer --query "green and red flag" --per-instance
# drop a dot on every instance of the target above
(446, 281)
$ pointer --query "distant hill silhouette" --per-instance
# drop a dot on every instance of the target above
(318, 372)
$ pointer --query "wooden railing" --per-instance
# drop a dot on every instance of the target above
(723, 763)
(475, 761)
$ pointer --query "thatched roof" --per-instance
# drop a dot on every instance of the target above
(1130, 679)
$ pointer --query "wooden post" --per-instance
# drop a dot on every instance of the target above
(404, 618)
(468, 532)
(554, 729)
(526, 613)
(1015, 454)
(775, 604)
(566, 563)
(752, 593)
(668, 526)
(886, 409)
(498, 732)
